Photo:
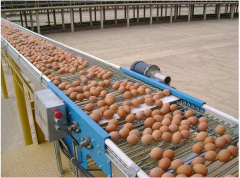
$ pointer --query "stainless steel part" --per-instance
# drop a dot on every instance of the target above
(58, 158)
(46, 104)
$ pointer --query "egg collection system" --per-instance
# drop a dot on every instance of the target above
(123, 122)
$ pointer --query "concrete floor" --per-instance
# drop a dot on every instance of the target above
(201, 57)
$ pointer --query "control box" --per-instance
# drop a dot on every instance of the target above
(50, 114)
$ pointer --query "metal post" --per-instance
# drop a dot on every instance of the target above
(137, 14)
(31, 20)
(204, 12)
(161, 10)
(101, 17)
(227, 9)
(95, 14)
(3, 15)
(189, 13)
(21, 18)
(219, 11)
(157, 12)
(180, 10)
(144, 12)
(216, 9)
(22, 109)
(90, 15)
(171, 9)
(127, 16)
(72, 20)
(232, 10)
(104, 14)
(166, 10)
(125, 12)
(3, 83)
(80, 15)
(134, 12)
(151, 7)
(58, 157)
(62, 14)
(192, 11)
(54, 18)
(48, 17)
(25, 18)
(115, 14)
(38, 23)
(175, 12)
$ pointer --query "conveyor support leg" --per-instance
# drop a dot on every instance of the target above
(63, 23)
(72, 20)
(127, 16)
(137, 14)
(58, 158)
(171, 9)
(151, 7)
(115, 12)
(3, 84)
(204, 12)
(157, 13)
(189, 13)
(31, 19)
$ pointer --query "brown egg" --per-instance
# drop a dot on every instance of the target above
(99, 113)
(114, 107)
(158, 118)
(149, 101)
(86, 88)
(93, 99)
(134, 92)
(111, 127)
(103, 94)
(166, 92)
(164, 163)
(166, 105)
(76, 83)
(140, 91)
(129, 126)
(177, 116)
(139, 115)
(182, 175)
(156, 135)
(156, 153)
(164, 129)
(148, 91)
(95, 117)
(156, 97)
(167, 174)
(198, 160)
(233, 150)
(188, 113)
(173, 107)
(160, 94)
(193, 120)
(149, 122)
(166, 122)
(200, 169)
(114, 136)
(124, 132)
(73, 95)
(220, 130)
(127, 109)
(56, 82)
(127, 95)
(147, 131)
(169, 116)
(209, 147)
(147, 112)
(176, 163)
(197, 175)
(185, 134)
(147, 139)
(121, 112)
(176, 122)
(114, 121)
(201, 136)
(197, 148)
(87, 94)
(203, 126)
(135, 132)
(141, 100)
(109, 101)
(155, 112)
(61, 87)
(101, 103)
(169, 154)
(173, 128)
(184, 169)
(108, 114)
(135, 103)
(177, 112)
(89, 107)
(224, 155)
(132, 139)
(95, 92)
(209, 140)
(79, 89)
(220, 142)
(228, 139)
(203, 119)
(127, 103)
(166, 137)
(84, 80)
(156, 172)
(80, 97)
(156, 126)
(177, 137)
(130, 118)
(185, 122)
(158, 103)
(121, 89)
(164, 110)
(210, 155)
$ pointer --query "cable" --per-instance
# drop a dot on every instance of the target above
(69, 135)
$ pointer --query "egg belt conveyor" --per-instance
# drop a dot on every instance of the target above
(119, 158)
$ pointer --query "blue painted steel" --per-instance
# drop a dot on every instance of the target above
(195, 101)
(88, 128)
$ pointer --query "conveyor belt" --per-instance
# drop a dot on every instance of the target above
(140, 153)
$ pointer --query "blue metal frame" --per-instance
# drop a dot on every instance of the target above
(188, 98)
(88, 128)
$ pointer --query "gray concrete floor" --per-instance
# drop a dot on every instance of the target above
(201, 57)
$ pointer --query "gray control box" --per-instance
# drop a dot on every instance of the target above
(47, 104)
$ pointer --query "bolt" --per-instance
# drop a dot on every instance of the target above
(100, 166)
(92, 140)
(98, 146)
(69, 113)
(81, 122)
(99, 152)
(82, 139)
(78, 138)
(108, 162)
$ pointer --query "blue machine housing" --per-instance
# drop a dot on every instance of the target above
(88, 128)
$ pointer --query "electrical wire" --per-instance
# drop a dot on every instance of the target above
(69, 135)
